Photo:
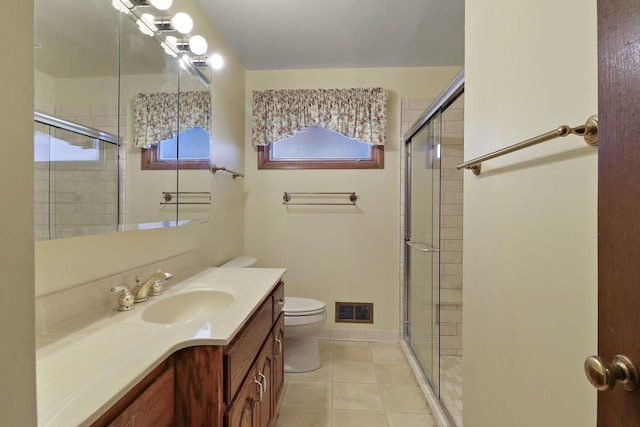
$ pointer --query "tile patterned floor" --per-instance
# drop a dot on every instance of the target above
(451, 386)
(359, 384)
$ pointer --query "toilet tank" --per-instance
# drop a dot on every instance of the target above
(240, 262)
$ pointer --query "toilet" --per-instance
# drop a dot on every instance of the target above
(240, 262)
(303, 319)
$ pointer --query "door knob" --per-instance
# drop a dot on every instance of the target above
(604, 375)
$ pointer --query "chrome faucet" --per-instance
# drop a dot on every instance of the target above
(141, 291)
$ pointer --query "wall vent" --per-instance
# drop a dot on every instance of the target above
(354, 312)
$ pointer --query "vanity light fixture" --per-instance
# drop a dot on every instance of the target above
(180, 22)
(131, 4)
(161, 4)
(199, 61)
(198, 45)
(168, 50)
(120, 6)
(216, 61)
(146, 25)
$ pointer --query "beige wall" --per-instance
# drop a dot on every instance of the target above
(336, 253)
(17, 366)
(530, 243)
(70, 262)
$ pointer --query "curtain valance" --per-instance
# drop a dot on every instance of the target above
(359, 113)
(156, 115)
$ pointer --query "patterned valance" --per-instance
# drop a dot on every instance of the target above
(359, 113)
(156, 115)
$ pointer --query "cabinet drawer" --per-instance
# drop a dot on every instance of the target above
(278, 301)
(240, 354)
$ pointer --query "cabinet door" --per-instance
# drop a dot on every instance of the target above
(278, 363)
(264, 364)
(151, 402)
(242, 412)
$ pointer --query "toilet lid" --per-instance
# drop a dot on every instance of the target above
(295, 306)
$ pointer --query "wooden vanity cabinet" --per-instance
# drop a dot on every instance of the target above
(252, 405)
(256, 401)
(214, 386)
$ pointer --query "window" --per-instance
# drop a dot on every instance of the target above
(158, 117)
(319, 148)
(192, 152)
(315, 128)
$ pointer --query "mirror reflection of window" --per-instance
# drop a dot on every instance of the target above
(48, 148)
(191, 144)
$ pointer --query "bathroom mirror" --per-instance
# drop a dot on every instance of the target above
(91, 63)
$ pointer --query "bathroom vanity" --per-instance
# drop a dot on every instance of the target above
(223, 369)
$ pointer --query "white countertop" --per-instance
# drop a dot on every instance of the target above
(82, 372)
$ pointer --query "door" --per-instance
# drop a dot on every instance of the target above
(422, 257)
(265, 376)
(278, 362)
(619, 200)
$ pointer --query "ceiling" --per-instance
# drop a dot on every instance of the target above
(299, 34)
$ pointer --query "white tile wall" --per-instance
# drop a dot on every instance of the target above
(75, 198)
(451, 219)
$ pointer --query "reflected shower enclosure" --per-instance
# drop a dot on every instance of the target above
(76, 180)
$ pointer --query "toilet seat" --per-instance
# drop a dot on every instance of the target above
(296, 306)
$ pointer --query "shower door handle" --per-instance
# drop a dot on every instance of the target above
(421, 246)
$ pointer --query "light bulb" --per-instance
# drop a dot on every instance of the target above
(167, 49)
(171, 41)
(161, 4)
(146, 25)
(198, 45)
(184, 61)
(216, 61)
(117, 4)
(182, 22)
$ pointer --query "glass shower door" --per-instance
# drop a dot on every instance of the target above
(422, 248)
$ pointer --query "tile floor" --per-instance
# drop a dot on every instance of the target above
(359, 384)
(451, 386)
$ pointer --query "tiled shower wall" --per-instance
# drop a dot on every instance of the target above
(76, 198)
(451, 217)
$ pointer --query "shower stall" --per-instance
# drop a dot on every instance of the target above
(432, 250)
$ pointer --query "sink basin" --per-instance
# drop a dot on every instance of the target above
(188, 306)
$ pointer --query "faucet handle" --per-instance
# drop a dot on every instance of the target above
(125, 299)
(156, 288)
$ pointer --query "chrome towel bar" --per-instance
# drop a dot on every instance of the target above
(589, 131)
(287, 198)
(168, 197)
(215, 169)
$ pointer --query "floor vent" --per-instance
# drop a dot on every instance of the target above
(354, 312)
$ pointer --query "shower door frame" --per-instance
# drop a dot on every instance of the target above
(447, 97)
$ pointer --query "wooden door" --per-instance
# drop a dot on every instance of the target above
(242, 411)
(265, 376)
(619, 200)
(278, 363)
